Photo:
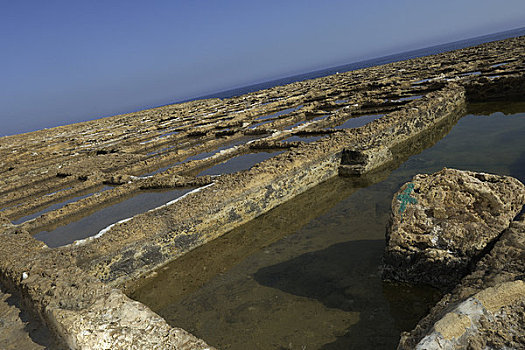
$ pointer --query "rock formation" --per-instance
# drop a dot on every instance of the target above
(443, 223)
(487, 309)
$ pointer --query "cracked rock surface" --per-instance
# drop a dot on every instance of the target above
(487, 309)
(448, 221)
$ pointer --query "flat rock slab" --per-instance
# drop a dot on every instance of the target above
(491, 319)
(442, 223)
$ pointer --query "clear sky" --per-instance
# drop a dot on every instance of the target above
(66, 61)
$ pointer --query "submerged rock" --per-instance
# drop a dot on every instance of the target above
(443, 223)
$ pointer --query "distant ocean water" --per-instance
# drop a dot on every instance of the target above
(432, 50)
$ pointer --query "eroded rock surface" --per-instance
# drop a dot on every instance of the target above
(487, 309)
(490, 319)
(443, 222)
(80, 310)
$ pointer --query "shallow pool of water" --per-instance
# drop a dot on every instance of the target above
(54, 206)
(207, 154)
(357, 122)
(90, 223)
(304, 138)
(277, 114)
(238, 163)
(306, 275)
(408, 98)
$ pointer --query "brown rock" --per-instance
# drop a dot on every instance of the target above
(4, 221)
(449, 219)
(492, 297)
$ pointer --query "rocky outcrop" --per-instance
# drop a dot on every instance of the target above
(443, 223)
(487, 309)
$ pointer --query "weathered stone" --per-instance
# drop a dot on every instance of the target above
(445, 223)
(492, 297)
(357, 162)
(491, 319)
(4, 221)
(114, 321)
(80, 310)
(19, 330)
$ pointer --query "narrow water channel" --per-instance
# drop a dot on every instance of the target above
(57, 205)
(306, 275)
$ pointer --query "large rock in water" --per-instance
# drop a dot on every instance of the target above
(442, 223)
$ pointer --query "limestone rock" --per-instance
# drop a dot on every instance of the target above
(443, 222)
(116, 322)
(4, 221)
(491, 297)
(491, 319)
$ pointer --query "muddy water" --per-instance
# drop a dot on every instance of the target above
(89, 224)
(306, 275)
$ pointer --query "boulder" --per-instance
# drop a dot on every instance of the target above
(441, 224)
(490, 302)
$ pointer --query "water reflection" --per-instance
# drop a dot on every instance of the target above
(89, 223)
(238, 163)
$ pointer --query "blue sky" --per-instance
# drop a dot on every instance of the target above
(67, 61)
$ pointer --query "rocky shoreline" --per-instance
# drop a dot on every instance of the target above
(462, 233)
(70, 286)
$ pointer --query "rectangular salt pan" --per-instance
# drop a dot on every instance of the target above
(238, 163)
(358, 121)
(276, 114)
(90, 224)
(55, 206)
(203, 155)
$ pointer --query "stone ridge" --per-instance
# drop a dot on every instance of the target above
(155, 238)
(82, 312)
